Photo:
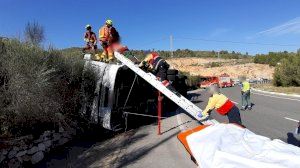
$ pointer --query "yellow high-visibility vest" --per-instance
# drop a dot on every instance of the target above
(246, 86)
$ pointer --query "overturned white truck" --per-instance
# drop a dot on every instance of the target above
(119, 89)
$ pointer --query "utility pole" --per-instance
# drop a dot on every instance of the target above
(171, 45)
(218, 54)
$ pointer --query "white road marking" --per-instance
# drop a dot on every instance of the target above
(234, 102)
(291, 119)
(179, 121)
(277, 97)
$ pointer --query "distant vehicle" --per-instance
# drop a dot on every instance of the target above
(223, 80)
(236, 82)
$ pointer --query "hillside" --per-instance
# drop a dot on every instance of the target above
(214, 66)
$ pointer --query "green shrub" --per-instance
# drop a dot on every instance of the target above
(272, 58)
(35, 85)
(213, 64)
(287, 73)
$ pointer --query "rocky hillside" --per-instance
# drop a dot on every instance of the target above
(214, 66)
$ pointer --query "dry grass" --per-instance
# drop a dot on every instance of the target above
(35, 84)
(215, 67)
(270, 87)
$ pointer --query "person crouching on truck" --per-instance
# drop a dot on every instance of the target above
(90, 39)
(222, 105)
(158, 66)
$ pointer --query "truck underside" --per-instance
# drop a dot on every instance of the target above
(117, 90)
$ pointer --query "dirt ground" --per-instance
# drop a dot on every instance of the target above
(233, 67)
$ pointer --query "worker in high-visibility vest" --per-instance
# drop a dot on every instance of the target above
(245, 91)
(108, 36)
(90, 39)
(222, 105)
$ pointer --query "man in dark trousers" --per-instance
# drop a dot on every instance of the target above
(222, 105)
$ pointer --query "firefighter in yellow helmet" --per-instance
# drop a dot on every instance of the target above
(108, 36)
(222, 105)
(90, 39)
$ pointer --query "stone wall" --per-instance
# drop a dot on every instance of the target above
(26, 149)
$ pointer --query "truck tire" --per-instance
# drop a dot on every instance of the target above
(172, 72)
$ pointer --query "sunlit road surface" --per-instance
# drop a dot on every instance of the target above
(271, 116)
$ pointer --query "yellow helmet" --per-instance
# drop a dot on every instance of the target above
(88, 26)
(109, 22)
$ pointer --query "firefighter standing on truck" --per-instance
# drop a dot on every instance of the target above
(108, 36)
(245, 91)
(222, 105)
(90, 39)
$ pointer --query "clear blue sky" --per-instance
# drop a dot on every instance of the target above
(142, 22)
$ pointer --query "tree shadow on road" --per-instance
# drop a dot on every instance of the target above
(138, 154)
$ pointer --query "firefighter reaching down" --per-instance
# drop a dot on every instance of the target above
(90, 39)
(158, 66)
(222, 105)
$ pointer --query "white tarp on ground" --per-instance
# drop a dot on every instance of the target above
(229, 146)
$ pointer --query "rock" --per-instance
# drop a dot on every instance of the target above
(41, 147)
(4, 152)
(46, 133)
(20, 159)
(16, 148)
(41, 138)
(2, 157)
(62, 141)
(61, 129)
(14, 163)
(66, 135)
(48, 143)
(21, 153)
(12, 154)
(26, 158)
(56, 136)
(37, 157)
(32, 150)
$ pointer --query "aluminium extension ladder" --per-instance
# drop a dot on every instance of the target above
(180, 100)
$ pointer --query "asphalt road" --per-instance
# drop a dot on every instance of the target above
(272, 116)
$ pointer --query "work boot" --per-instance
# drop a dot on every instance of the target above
(97, 57)
(111, 61)
(243, 108)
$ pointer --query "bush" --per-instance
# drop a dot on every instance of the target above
(213, 64)
(287, 73)
(35, 85)
(272, 58)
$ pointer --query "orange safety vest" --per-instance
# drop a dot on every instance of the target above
(104, 33)
(225, 108)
